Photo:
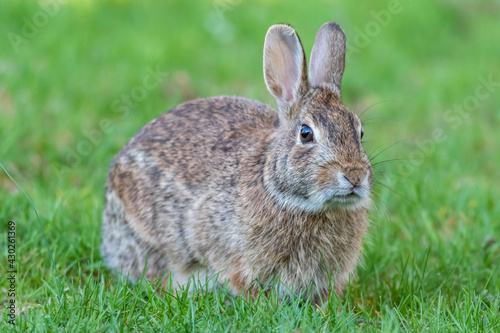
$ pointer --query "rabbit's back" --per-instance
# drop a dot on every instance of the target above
(171, 189)
(197, 144)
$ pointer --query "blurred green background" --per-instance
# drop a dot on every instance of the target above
(79, 78)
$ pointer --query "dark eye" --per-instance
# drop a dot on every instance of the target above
(362, 133)
(306, 134)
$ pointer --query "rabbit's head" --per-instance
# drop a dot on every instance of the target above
(317, 161)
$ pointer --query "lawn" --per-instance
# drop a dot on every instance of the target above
(425, 75)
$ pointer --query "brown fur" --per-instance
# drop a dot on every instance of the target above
(222, 185)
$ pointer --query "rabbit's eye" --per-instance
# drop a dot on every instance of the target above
(306, 134)
(362, 133)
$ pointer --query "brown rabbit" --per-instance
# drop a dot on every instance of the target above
(231, 186)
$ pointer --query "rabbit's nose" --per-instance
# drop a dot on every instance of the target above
(355, 176)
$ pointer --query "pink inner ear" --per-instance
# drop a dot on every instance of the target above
(283, 62)
(318, 58)
(328, 57)
(288, 71)
(290, 85)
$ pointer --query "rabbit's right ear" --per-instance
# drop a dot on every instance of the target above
(328, 57)
(285, 68)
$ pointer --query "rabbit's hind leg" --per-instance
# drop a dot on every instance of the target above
(123, 250)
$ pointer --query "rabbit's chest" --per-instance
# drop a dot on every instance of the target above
(308, 251)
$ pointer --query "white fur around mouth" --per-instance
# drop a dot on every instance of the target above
(344, 198)
(347, 201)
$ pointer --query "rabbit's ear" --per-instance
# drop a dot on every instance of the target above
(328, 57)
(285, 69)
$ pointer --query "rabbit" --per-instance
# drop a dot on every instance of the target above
(231, 186)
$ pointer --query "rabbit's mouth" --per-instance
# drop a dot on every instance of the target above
(350, 200)
(352, 189)
(349, 197)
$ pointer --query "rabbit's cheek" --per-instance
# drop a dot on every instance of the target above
(327, 177)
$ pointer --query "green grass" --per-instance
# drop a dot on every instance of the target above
(432, 256)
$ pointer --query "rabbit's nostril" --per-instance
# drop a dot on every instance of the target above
(347, 178)
(353, 180)
(354, 176)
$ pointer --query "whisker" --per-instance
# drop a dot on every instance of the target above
(392, 160)
(380, 205)
(375, 104)
(398, 142)
(369, 120)
(373, 152)
(393, 191)
(378, 172)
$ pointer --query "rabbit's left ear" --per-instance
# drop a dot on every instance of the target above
(328, 58)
